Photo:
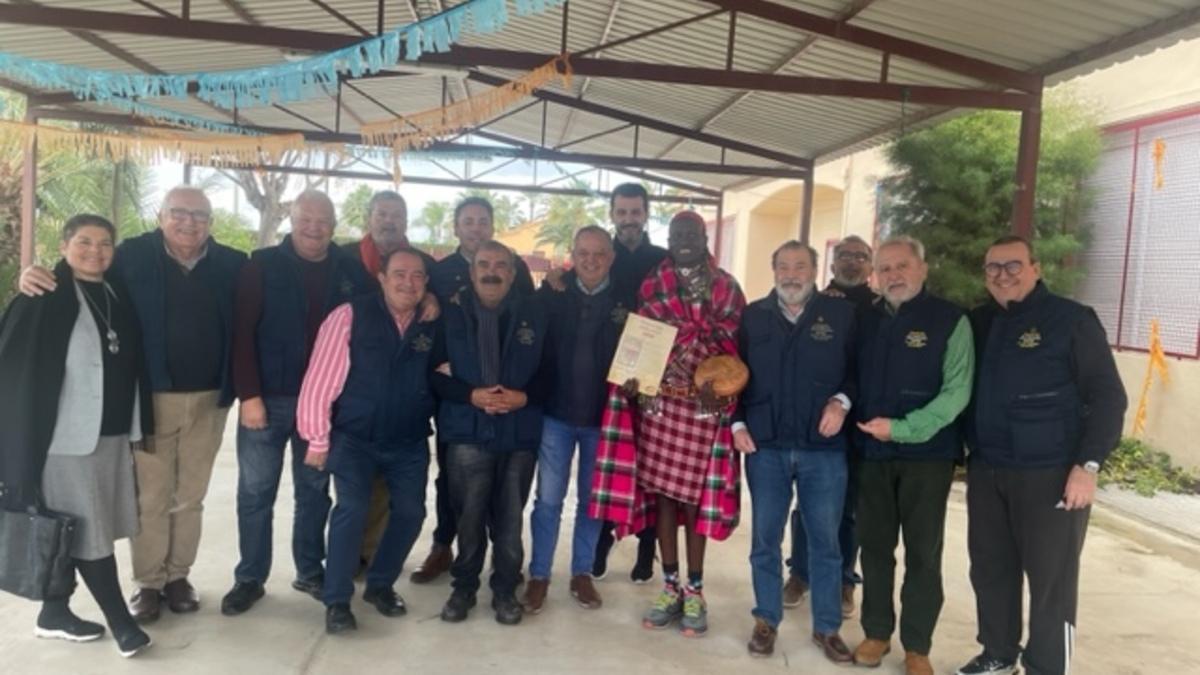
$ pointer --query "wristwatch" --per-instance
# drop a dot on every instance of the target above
(1092, 467)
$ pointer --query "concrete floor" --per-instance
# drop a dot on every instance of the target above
(1138, 614)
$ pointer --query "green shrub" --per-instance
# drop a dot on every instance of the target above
(1143, 469)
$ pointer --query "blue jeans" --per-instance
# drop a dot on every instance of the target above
(553, 477)
(260, 464)
(488, 491)
(353, 466)
(819, 478)
(847, 538)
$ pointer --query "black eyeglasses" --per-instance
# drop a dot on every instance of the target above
(858, 256)
(200, 217)
(1012, 268)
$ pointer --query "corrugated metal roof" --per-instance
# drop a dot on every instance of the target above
(1028, 35)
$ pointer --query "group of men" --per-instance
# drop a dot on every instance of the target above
(857, 403)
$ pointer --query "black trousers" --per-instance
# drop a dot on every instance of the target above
(446, 527)
(1015, 531)
(488, 490)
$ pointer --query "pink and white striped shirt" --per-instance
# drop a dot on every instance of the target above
(326, 375)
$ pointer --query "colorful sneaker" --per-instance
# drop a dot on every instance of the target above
(695, 614)
(667, 607)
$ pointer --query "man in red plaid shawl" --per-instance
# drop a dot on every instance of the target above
(670, 457)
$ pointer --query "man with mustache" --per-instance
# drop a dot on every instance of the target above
(1048, 409)
(851, 276)
(284, 294)
(636, 257)
(915, 363)
(799, 346)
(661, 457)
(182, 283)
(364, 409)
(585, 323)
(490, 418)
(473, 226)
(387, 231)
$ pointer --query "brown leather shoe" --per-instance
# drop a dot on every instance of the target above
(584, 592)
(917, 664)
(144, 605)
(181, 596)
(435, 565)
(793, 591)
(847, 601)
(534, 597)
(762, 640)
(835, 650)
(870, 652)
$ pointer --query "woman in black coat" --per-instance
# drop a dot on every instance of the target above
(71, 410)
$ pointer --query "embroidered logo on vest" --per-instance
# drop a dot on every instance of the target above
(525, 334)
(821, 331)
(422, 343)
(1029, 339)
(916, 339)
(619, 315)
(347, 288)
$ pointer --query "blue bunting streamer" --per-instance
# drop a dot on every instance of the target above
(279, 83)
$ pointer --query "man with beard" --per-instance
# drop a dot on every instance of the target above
(672, 457)
(851, 273)
(915, 364)
(799, 347)
(636, 257)
(473, 226)
(490, 419)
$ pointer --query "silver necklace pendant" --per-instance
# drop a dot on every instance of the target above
(114, 343)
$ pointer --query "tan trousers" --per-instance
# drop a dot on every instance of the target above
(172, 480)
(377, 518)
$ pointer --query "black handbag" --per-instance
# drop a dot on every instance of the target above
(35, 553)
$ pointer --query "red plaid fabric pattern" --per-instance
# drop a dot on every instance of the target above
(686, 458)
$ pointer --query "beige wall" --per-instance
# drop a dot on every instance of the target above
(1173, 410)
(768, 213)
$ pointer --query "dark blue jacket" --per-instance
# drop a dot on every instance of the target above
(453, 274)
(522, 335)
(282, 357)
(900, 360)
(1047, 391)
(387, 398)
(139, 264)
(563, 310)
(795, 370)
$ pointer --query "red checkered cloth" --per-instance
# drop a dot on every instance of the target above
(682, 457)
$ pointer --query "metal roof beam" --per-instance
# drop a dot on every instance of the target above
(651, 123)
(519, 151)
(934, 56)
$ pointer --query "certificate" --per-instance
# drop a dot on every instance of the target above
(642, 353)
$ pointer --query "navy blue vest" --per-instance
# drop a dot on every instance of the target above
(280, 335)
(563, 312)
(900, 370)
(1027, 410)
(139, 263)
(794, 370)
(523, 332)
(387, 399)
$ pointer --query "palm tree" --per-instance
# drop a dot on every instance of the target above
(435, 220)
(565, 214)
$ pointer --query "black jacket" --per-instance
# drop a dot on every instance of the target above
(34, 333)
